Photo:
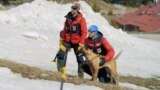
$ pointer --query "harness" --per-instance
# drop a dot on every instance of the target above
(98, 48)
(73, 26)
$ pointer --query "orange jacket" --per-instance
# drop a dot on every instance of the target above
(101, 46)
(75, 30)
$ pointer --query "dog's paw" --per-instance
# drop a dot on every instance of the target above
(93, 79)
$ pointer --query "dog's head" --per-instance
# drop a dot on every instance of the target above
(89, 54)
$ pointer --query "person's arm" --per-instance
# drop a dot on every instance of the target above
(110, 50)
(63, 32)
(83, 30)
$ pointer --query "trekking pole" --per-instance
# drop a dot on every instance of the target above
(55, 58)
(63, 73)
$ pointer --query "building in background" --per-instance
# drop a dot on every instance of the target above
(145, 19)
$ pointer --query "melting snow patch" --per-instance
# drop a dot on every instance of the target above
(134, 87)
(2, 7)
(35, 36)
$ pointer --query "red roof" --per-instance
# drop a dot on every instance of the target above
(147, 18)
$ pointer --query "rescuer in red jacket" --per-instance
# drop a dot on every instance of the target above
(73, 36)
(99, 45)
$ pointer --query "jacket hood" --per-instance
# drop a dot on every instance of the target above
(101, 34)
(70, 16)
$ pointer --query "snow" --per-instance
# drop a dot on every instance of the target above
(30, 35)
(10, 81)
(134, 87)
(35, 35)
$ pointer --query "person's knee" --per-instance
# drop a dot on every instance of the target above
(80, 58)
(61, 55)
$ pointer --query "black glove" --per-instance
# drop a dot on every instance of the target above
(102, 61)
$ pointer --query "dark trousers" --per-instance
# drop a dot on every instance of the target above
(79, 56)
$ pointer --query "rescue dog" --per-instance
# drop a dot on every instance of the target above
(94, 60)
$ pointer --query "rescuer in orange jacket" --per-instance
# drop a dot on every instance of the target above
(99, 45)
(73, 36)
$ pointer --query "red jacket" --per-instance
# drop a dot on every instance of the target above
(101, 46)
(75, 30)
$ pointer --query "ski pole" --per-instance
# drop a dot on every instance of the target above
(55, 58)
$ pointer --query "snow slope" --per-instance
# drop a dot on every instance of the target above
(30, 32)
(9, 81)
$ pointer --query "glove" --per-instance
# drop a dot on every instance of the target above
(102, 61)
(64, 46)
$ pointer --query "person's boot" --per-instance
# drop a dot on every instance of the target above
(60, 64)
(80, 71)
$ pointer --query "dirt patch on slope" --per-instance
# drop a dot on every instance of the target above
(151, 83)
(36, 73)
